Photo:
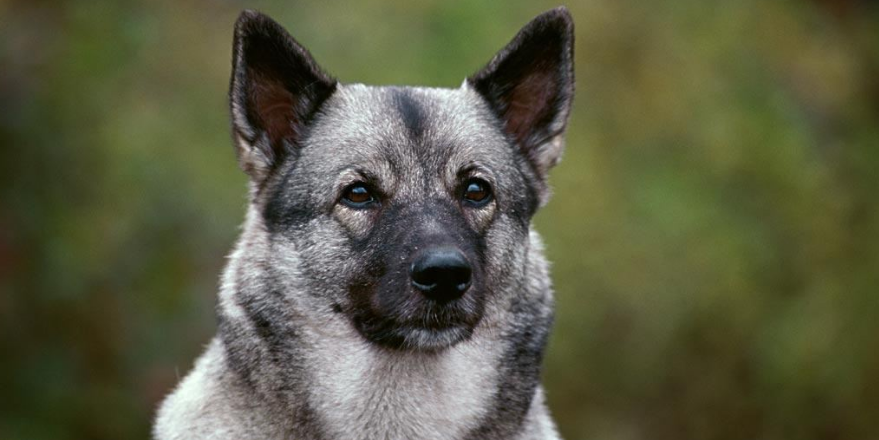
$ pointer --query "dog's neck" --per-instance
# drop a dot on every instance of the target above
(342, 384)
(380, 393)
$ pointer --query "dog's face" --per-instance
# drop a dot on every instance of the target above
(411, 206)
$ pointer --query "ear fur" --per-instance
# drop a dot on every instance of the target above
(529, 85)
(276, 88)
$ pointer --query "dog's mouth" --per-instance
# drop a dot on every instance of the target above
(430, 339)
(411, 321)
(410, 337)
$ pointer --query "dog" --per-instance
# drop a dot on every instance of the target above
(387, 283)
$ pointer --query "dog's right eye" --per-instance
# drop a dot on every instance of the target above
(477, 193)
(358, 196)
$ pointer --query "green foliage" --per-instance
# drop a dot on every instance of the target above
(714, 229)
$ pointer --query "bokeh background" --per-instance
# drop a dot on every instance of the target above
(714, 229)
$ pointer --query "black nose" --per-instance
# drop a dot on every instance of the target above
(442, 274)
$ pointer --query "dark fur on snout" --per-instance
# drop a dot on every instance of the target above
(324, 332)
(386, 309)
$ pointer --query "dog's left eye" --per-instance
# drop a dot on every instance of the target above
(477, 192)
(358, 196)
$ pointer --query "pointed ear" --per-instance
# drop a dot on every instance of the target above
(530, 84)
(276, 88)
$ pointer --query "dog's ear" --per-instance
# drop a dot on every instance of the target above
(276, 88)
(530, 84)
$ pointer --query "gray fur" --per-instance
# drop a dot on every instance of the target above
(320, 335)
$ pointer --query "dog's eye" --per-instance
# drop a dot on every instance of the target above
(358, 196)
(477, 192)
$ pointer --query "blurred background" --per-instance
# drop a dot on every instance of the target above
(714, 229)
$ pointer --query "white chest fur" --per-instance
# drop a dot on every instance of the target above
(365, 392)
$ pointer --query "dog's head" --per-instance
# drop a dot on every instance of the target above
(406, 209)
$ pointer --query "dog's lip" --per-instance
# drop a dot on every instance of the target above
(438, 315)
(434, 327)
(432, 339)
